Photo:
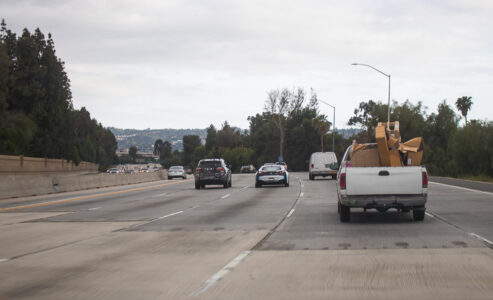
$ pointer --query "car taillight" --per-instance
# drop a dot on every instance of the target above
(425, 180)
(281, 172)
(312, 166)
(342, 181)
(198, 170)
(260, 173)
(220, 169)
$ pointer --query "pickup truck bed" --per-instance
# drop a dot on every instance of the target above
(381, 188)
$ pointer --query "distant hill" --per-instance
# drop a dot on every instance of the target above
(144, 139)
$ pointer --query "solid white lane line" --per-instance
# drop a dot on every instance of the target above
(301, 194)
(245, 187)
(225, 196)
(160, 195)
(221, 273)
(481, 238)
(429, 215)
(94, 208)
(3, 259)
(290, 213)
(462, 188)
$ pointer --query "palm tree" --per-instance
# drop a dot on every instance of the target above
(321, 126)
(463, 104)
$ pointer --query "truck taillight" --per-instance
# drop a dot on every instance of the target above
(198, 170)
(220, 169)
(342, 181)
(425, 180)
(312, 166)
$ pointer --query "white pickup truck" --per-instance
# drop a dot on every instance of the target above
(381, 188)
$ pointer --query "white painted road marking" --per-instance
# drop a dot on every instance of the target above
(301, 194)
(3, 259)
(481, 238)
(429, 215)
(94, 208)
(290, 213)
(462, 188)
(160, 218)
(221, 273)
(225, 196)
(160, 195)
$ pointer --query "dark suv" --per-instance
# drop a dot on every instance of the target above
(212, 171)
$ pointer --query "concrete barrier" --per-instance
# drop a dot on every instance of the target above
(23, 165)
(30, 185)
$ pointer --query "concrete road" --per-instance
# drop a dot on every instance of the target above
(166, 240)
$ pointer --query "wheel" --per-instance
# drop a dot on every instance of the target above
(202, 186)
(230, 182)
(345, 213)
(257, 185)
(197, 186)
(334, 176)
(286, 184)
(226, 184)
(311, 176)
(406, 210)
(418, 215)
(184, 177)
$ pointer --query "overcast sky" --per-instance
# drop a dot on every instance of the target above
(187, 64)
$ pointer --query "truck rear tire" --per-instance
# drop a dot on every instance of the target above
(418, 215)
(311, 176)
(197, 186)
(345, 213)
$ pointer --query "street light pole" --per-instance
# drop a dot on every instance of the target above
(387, 75)
(333, 125)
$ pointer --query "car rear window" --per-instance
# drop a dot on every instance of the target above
(210, 164)
(176, 168)
(271, 168)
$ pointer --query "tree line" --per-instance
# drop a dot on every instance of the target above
(37, 117)
(292, 126)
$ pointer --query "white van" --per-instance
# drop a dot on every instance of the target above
(323, 164)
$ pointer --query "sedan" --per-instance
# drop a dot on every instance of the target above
(271, 174)
(177, 171)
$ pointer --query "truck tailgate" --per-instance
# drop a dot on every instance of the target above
(384, 181)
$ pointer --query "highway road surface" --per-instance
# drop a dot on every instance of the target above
(167, 240)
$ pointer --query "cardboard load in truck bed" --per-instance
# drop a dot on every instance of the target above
(388, 141)
(364, 155)
(413, 151)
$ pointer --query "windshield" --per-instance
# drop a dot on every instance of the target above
(176, 168)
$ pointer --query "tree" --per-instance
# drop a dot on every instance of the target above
(132, 152)
(464, 104)
(158, 145)
(321, 125)
(190, 142)
(367, 115)
(210, 141)
(277, 105)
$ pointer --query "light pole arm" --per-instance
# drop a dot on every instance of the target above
(356, 64)
(386, 75)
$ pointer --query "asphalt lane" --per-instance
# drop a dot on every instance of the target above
(167, 240)
(315, 223)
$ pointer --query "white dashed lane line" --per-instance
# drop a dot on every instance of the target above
(221, 273)
(225, 196)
